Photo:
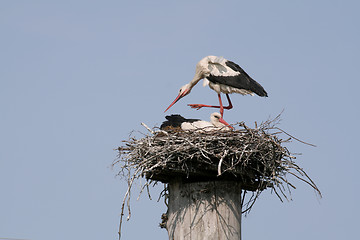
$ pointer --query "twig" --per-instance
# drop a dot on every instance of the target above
(220, 162)
(295, 137)
(149, 129)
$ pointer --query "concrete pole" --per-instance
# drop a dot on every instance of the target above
(204, 210)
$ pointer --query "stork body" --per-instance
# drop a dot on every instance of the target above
(223, 76)
(177, 121)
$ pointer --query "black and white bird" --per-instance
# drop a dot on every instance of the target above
(177, 121)
(222, 76)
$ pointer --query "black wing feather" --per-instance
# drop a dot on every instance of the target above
(240, 81)
(175, 121)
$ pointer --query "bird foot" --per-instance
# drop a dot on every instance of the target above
(197, 106)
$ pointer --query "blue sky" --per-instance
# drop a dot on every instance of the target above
(78, 76)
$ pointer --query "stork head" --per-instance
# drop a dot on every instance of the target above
(218, 121)
(184, 90)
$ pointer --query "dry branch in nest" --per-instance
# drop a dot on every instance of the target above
(256, 157)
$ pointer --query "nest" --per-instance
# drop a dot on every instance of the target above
(255, 157)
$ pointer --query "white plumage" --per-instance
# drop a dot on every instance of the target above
(213, 125)
(216, 66)
(223, 76)
(216, 123)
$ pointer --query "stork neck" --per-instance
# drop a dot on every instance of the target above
(195, 80)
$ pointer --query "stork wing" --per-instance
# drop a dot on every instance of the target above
(196, 125)
(175, 120)
(230, 74)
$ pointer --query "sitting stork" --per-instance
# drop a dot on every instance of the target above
(178, 121)
(222, 76)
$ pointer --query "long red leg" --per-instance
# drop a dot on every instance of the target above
(221, 106)
(198, 106)
(230, 104)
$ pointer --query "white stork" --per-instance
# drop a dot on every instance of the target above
(178, 121)
(222, 76)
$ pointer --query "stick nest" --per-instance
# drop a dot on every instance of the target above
(255, 157)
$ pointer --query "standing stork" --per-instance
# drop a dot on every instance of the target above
(222, 76)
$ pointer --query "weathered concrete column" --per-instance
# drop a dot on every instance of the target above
(204, 210)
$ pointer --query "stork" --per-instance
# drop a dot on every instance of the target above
(222, 76)
(178, 121)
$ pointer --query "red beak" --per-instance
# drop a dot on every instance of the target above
(223, 122)
(177, 99)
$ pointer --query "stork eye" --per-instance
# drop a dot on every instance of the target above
(217, 117)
